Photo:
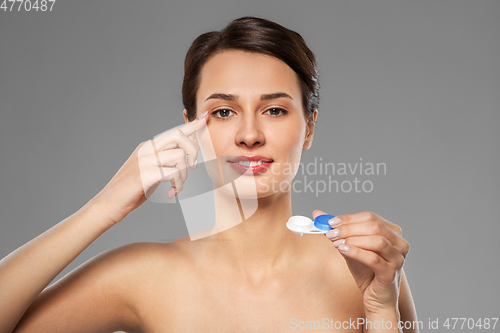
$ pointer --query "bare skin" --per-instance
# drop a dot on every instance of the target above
(229, 299)
(255, 277)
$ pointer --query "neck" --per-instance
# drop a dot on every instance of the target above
(259, 244)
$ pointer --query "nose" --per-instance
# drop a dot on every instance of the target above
(249, 132)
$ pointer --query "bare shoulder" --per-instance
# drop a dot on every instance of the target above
(104, 293)
(134, 266)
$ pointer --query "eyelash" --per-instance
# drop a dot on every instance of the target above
(283, 112)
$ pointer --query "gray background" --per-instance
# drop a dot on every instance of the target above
(413, 84)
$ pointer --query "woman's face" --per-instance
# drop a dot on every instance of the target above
(255, 109)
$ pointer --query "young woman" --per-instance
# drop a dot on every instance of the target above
(253, 86)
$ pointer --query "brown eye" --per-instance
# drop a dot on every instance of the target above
(277, 112)
(222, 113)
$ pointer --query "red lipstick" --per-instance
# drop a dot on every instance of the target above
(243, 164)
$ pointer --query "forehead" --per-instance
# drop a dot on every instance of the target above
(247, 73)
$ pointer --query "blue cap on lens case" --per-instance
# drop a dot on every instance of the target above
(321, 222)
(304, 225)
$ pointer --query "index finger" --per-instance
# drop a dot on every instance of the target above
(369, 216)
(195, 125)
(352, 218)
(188, 129)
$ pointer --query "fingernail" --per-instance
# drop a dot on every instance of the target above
(203, 115)
(344, 248)
(195, 163)
(338, 242)
(335, 221)
(332, 233)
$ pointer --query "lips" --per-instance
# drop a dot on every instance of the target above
(250, 164)
(250, 158)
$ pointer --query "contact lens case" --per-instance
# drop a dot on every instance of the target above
(304, 225)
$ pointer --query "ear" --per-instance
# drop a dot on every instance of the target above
(310, 131)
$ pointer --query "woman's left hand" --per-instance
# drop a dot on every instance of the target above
(375, 252)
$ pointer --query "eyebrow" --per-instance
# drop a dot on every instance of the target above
(233, 97)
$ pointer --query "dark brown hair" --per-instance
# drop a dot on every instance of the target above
(255, 35)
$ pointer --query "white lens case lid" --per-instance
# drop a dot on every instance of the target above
(303, 225)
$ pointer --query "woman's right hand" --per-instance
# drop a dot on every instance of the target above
(161, 159)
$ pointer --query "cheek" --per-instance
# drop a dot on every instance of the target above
(221, 140)
(209, 143)
(290, 144)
